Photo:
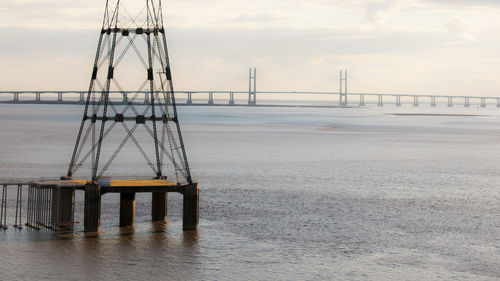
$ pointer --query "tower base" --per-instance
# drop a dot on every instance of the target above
(63, 194)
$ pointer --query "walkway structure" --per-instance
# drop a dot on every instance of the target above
(110, 128)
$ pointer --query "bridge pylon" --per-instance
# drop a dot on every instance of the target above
(252, 92)
(343, 88)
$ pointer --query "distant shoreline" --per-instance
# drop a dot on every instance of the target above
(435, 114)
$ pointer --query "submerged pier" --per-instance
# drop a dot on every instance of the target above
(62, 207)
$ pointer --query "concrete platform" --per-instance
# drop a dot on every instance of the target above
(118, 185)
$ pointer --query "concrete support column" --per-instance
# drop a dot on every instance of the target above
(63, 209)
(92, 209)
(361, 100)
(450, 102)
(127, 208)
(190, 207)
(415, 101)
(37, 96)
(343, 99)
(159, 206)
(59, 96)
(16, 97)
(210, 98)
(483, 102)
(231, 98)
(380, 101)
(189, 98)
(433, 101)
(398, 101)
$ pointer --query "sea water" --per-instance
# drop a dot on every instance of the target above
(285, 194)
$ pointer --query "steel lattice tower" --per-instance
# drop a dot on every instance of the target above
(131, 55)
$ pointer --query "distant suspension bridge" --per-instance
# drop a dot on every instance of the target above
(342, 98)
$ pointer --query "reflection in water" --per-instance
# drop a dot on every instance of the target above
(190, 238)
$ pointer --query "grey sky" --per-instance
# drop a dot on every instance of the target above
(417, 46)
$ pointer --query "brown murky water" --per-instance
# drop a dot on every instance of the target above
(286, 193)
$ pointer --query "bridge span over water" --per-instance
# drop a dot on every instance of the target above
(328, 99)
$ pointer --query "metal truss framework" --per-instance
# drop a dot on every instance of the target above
(144, 39)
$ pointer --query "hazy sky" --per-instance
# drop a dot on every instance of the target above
(419, 46)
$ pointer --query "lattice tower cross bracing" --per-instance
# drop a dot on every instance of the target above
(130, 50)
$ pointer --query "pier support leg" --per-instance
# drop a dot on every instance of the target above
(415, 101)
(159, 206)
(127, 208)
(190, 207)
(343, 100)
(380, 101)
(3, 212)
(19, 207)
(210, 98)
(67, 208)
(63, 209)
(92, 210)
